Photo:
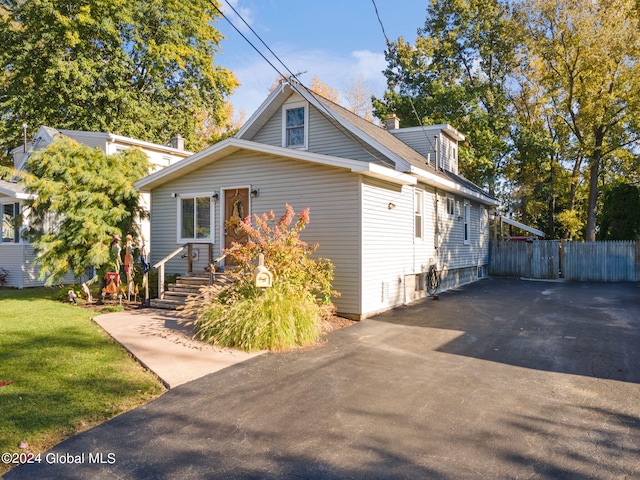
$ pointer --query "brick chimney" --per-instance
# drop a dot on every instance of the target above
(393, 122)
(177, 142)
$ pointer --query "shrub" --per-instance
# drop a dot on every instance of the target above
(289, 313)
(276, 319)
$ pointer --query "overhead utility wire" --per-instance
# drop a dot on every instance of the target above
(375, 7)
(246, 39)
(415, 112)
(292, 75)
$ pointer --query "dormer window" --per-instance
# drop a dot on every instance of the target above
(294, 128)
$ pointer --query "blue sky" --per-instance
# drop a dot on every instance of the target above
(335, 40)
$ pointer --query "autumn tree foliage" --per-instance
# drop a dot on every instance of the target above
(546, 92)
(142, 69)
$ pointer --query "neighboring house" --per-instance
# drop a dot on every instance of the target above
(16, 255)
(385, 204)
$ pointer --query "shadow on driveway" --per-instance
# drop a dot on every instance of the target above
(590, 329)
(500, 379)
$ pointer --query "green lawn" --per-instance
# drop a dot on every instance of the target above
(59, 372)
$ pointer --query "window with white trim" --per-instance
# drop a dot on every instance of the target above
(195, 217)
(295, 119)
(467, 223)
(419, 213)
(451, 207)
(9, 229)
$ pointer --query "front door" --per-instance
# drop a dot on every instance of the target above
(236, 205)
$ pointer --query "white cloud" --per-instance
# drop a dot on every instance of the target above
(338, 72)
(244, 12)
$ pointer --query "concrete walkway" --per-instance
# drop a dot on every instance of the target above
(502, 379)
(165, 346)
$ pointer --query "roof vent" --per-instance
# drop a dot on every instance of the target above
(393, 122)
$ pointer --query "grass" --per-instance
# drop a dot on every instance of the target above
(277, 319)
(66, 374)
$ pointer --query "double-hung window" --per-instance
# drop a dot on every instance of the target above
(467, 224)
(451, 207)
(419, 214)
(9, 226)
(294, 125)
(196, 218)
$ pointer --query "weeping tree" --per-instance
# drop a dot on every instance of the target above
(80, 198)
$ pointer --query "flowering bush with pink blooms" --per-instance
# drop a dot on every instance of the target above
(289, 313)
(285, 254)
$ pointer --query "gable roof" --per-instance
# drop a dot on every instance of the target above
(13, 190)
(232, 145)
(369, 136)
(47, 135)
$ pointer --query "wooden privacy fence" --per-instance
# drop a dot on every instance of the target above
(579, 261)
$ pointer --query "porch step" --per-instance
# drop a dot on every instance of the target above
(177, 293)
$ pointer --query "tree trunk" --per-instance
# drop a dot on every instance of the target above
(594, 172)
(551, 204)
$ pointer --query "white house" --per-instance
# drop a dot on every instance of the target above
(385, 204)
(16, 255)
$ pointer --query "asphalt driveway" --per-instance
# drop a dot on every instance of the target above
(500, 379)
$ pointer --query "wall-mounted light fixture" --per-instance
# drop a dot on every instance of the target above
(174, 195)
(391, 206)
(255, 192)
(215, 197)
(459, 218)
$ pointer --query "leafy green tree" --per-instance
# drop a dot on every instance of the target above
(456, 73)
(620, 213)
(143, 69)
(585, 55)
(81, 198)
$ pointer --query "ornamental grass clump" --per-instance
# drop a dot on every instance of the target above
(287, 314)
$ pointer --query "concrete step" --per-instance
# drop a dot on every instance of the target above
(173, 295)
(165, 304)
(199, 281)
(176, 287)
(189, 285)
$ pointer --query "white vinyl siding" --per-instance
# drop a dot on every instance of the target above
(330, 193)
(326, 138)
(18, 260)
(11, 260)
(456, 251)
(387, 243)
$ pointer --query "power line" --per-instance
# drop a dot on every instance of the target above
(246, 39)
(293, 80)
(413, 108)
(375, 7)
(259, 38)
